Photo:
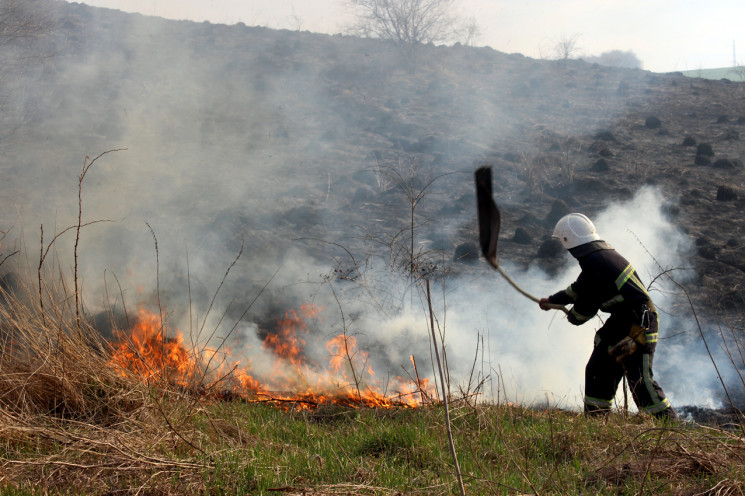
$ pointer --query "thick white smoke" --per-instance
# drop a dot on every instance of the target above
(539, 356)
(533, 356)
(232, 146)
(491, 331)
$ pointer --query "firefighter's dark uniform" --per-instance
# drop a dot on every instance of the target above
(609, 283)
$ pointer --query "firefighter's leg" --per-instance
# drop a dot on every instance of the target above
(647, 393)
(602, 376)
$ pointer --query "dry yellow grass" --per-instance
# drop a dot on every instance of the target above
(68, 419)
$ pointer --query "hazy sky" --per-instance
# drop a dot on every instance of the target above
(666, 35)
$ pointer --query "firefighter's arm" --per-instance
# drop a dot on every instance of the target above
(562, 298)
(581, 312)
(576, 318)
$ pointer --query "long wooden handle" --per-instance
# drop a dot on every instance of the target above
(523, 292)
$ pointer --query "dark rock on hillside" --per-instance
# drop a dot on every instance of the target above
(532, 223)
(600, 166)
(705, 150)
(363, 195)
(605, 136)
(653, 122)
(559, 209)
(702, 160)
(303, 218)
(725, 163)
(466, 253)
(726, 193)
(731, 135)
(706, 249)
(522, 237)
(550, 248)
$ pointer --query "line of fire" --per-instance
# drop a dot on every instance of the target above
(150, 352)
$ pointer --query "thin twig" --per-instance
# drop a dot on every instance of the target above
(444, 393)
(160, 306)
(86, 167)
(347, 353)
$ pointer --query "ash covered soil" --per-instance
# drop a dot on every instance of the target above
(278, 141)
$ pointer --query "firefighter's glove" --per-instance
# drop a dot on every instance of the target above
(544, 304)
(625, 348)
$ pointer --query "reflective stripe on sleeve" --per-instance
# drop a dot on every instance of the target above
(570, 292)
(579, 317)
(628, 273)
(625, 275)
(616, 299)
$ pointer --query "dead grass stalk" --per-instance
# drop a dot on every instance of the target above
(67, 414)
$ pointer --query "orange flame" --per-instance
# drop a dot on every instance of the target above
(287, 343)
(292, 378)
(146, 351)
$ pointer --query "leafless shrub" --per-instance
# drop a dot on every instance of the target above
(411, 23)
(535, 171)
(467, 32)
(566, 47)
(639, 165)
(406, 253)
(550, 169)
(405, 21)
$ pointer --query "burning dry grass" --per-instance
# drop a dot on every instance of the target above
(70, 422)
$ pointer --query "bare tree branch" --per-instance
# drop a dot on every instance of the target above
(411, 23)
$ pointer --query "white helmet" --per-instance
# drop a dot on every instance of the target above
(574, 230)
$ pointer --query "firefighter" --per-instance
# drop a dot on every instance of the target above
(625, 343)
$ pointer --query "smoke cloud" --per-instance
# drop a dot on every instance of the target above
(237, 189)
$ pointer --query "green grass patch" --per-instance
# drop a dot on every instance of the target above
(248, 448)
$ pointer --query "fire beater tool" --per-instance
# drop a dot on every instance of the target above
(489, 223)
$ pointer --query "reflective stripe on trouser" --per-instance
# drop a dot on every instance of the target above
(603, 375)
